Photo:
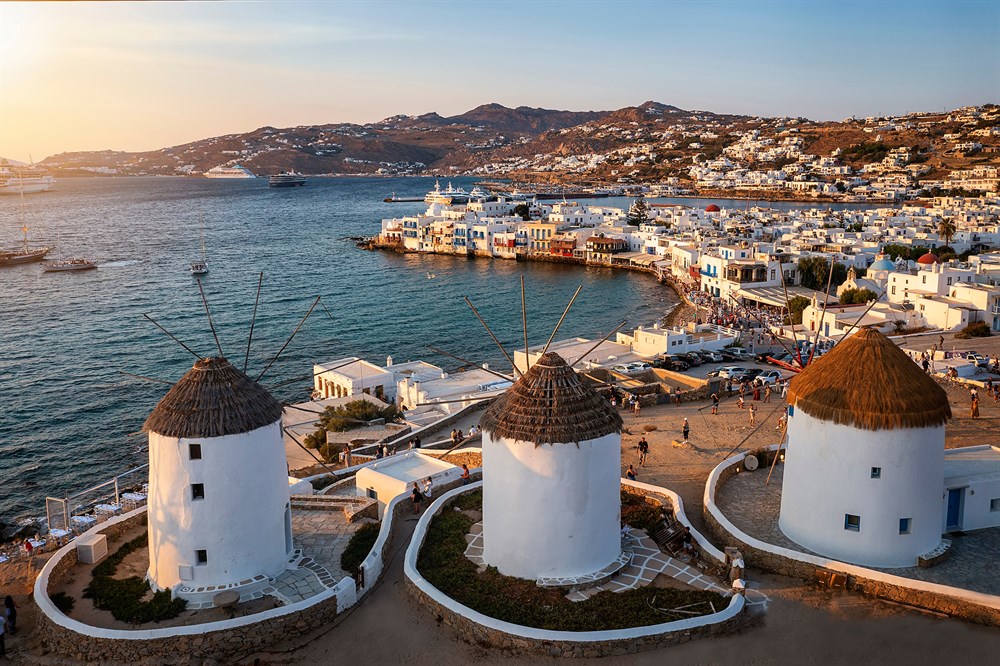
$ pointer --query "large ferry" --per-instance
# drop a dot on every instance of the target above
(15, 179)
(235, 171)
(287, 179)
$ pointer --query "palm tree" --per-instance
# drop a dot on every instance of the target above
(946, 230)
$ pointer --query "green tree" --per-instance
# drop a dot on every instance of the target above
(851, 296)
(946, 230)
(638, 212)
(524, 210)
(796, 305)
(346, 417)
(814, 272)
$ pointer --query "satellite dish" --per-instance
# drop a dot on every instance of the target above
(751, 463)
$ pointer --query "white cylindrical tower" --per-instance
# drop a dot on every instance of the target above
(864, 467)
(219, 509)
(551, 476)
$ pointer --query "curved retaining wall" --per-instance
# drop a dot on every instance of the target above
(477, 628)
(959, 602)
(224, 639)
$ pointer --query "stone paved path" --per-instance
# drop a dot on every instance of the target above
(754, 508)
(323, 536)
(648, 561)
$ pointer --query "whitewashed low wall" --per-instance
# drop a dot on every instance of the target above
(975, 606)
(476, 627)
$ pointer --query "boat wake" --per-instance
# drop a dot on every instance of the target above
(120, 264)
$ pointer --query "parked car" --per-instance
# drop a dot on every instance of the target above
(711, 356)
(692, 359)
(751, 373)
(731, 371)
(671, 362)
(729, 355)
(978, 359)
(767, 377)
(631, 368)
(762, 357)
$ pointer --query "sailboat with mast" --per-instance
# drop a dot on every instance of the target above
(201, 267)
(25, 254)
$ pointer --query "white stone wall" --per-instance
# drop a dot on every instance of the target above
(552, 510)
(241, 522)
(828, 474)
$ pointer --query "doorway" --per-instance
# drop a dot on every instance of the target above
(956, 498)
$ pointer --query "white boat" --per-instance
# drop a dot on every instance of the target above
(68, 265)
(235, 171)
(24, 179)
(200, 267)
(448, 196)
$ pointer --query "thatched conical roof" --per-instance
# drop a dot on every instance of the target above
(212, 400)
(867, 382)
(548, 405)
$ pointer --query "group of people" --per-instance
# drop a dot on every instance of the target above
(627, 401)
(425, 489)
(8, 622)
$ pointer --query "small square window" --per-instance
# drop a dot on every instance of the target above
(852, 522)
(194, 451)
(201, 556)
(904, 525)
(197, 491)
(995, 504)
(876, 472)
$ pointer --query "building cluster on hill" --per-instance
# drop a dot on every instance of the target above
(927, 264)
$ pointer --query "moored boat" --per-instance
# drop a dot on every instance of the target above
(69, 265)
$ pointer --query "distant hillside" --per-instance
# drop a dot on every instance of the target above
(652, 142)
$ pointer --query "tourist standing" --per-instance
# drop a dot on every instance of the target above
(784, 389)
(975, 407)
(3, 630)
(428, 488)
(635, 406)
(417, 498)
(347, 455)
(630, 473)
(715, 403)
(643, 451)
(753, 415)
(767, 393)
(686, 430)
(465, 474)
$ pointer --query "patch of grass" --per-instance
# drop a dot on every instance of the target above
(638, 513)
(359, 546)
(649, 427)
(443, 563)
(471, 501)
(124, 597)
(63, 602)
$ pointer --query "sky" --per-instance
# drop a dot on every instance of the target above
(142, 76)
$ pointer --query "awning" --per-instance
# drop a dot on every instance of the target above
(775, 296)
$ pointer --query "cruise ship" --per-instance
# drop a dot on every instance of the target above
(235, 171)
(16, 179)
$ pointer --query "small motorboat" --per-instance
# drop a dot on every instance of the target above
(69, 265)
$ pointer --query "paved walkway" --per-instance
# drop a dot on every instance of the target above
(323, 536)
(754, 508)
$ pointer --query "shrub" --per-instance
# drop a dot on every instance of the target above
(346, 417)
(359, 546)
(977, 329)
(123, 597)
(63, 602)
(471, 501)
(443, 563)
(639, 513)
(649, 427)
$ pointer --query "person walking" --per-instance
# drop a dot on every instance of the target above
(635, 405)
(686, 430)
(975, 407)
(741, 402)
(417, 498)
(643, 451)
(767, 393)
(630, 473)
(715, 404)
(753, 415)
(465, 475)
